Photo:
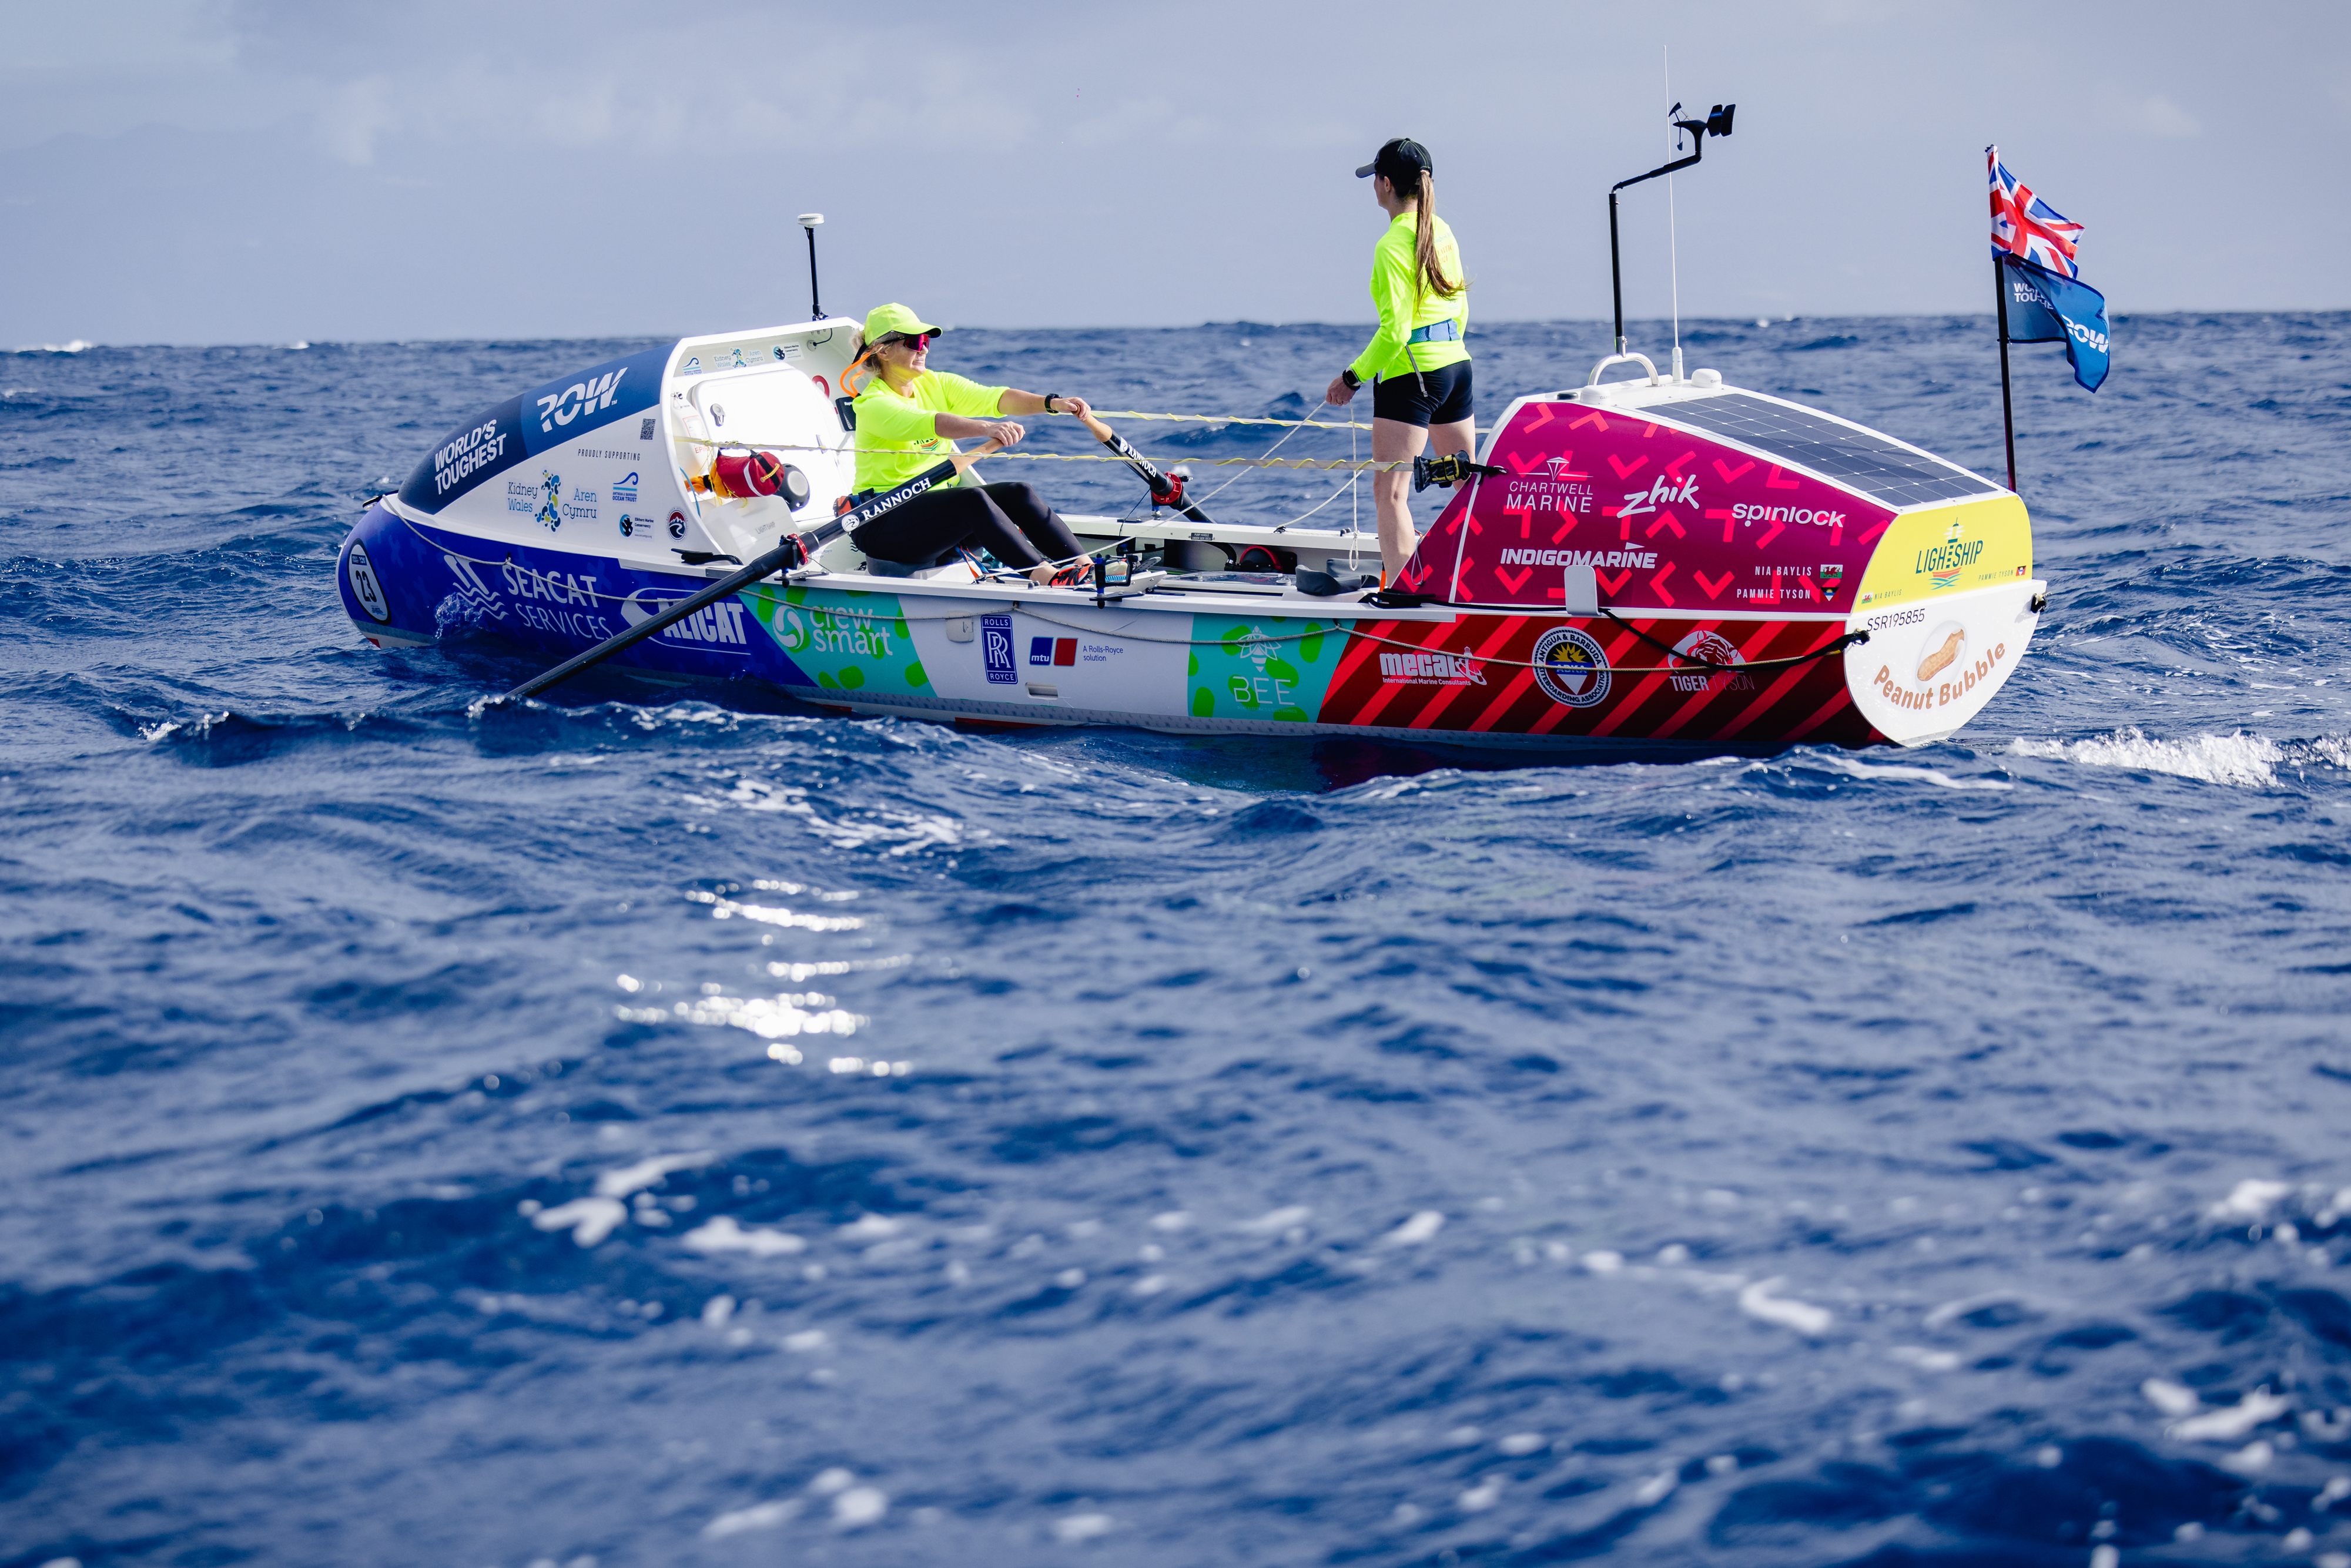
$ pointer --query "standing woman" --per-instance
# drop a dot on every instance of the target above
(908, 417)
(1416, 363)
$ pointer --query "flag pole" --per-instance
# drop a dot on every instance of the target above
(2007, 412)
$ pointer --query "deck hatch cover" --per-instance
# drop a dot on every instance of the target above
(1868, 463)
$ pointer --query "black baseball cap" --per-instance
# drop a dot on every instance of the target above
(1399, 162)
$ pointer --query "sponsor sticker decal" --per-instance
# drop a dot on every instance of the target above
(677, 525)
(1432, 668)
(473, 594)
(625, 489)
(476, 448)
(579, 398)
(1571, 667)
(996, 649)
(1715, 648)
(364, 586)
(1051, 651)
(1947, 667)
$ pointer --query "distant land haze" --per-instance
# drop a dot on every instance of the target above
(187, 171)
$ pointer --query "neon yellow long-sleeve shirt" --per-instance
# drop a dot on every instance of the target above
(1404, 306)
(905, 425)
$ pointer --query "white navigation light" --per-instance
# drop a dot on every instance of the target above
(809, 220)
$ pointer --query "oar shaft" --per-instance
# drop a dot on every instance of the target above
(791, 551)
(783, 555)
(1155, 481)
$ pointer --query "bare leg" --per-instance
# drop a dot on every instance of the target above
(1444, 440)
(1392, 441)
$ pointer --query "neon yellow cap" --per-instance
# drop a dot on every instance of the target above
(885, 318)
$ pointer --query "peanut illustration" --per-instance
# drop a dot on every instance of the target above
(1941, 659)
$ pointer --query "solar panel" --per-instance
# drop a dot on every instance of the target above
(1868, 463)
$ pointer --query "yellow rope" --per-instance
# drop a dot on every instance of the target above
(1336, 464)
(1229, 419)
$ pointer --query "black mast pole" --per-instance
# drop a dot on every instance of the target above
(809, 222)
(2007, 413)
(1717, 123)
(1615, 275)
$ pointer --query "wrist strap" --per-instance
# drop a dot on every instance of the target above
(1048, 400)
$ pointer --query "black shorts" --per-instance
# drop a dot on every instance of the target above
(1423, 398)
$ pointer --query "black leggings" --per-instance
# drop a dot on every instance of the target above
(1010, 521)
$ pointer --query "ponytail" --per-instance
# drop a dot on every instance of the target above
(1431, 279)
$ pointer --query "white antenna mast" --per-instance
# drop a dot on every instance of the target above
(1673, 236)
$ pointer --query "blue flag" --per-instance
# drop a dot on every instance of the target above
(2045, 306)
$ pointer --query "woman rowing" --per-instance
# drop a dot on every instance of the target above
(1417, 364)
(910, 416)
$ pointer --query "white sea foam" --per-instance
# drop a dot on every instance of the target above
(589, 1220)
(2171, 1398)
(758, 1516)
(1080, 1527)
(1276, 1220)
(1967, 1304)
(1757, 1302)
(722, 1234)
(2250, 1199)
(2229, 1425)
(647, 1173)
(1415, 1230)
(2251, 1459)
(2243, 759)
(1902, 773)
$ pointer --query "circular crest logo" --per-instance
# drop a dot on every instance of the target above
(1570, 666)
(677, 525)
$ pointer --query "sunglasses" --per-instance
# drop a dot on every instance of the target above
(919, 342)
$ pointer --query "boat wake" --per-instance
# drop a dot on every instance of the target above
(2248, 760)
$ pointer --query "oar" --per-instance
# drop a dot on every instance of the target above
(793, 550)
(1166, 491)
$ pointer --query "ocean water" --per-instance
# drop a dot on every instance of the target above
(658, 1128)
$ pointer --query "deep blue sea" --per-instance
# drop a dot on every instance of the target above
(659, 1129)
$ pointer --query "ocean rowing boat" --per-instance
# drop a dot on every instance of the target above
(1659, 564)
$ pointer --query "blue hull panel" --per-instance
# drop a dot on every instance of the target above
(406, 582)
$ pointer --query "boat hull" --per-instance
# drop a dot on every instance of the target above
(1196, 663)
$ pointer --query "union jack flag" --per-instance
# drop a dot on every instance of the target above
(2023, 224)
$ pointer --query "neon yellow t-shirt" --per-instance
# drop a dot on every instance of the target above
(1403, 306)
(905, 425)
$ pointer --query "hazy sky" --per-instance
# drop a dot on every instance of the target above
(252, 170)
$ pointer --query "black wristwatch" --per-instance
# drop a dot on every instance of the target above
(1048, 400)
(1351, 378)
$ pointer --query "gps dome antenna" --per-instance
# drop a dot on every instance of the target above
(1717, 123)
(809, 222)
